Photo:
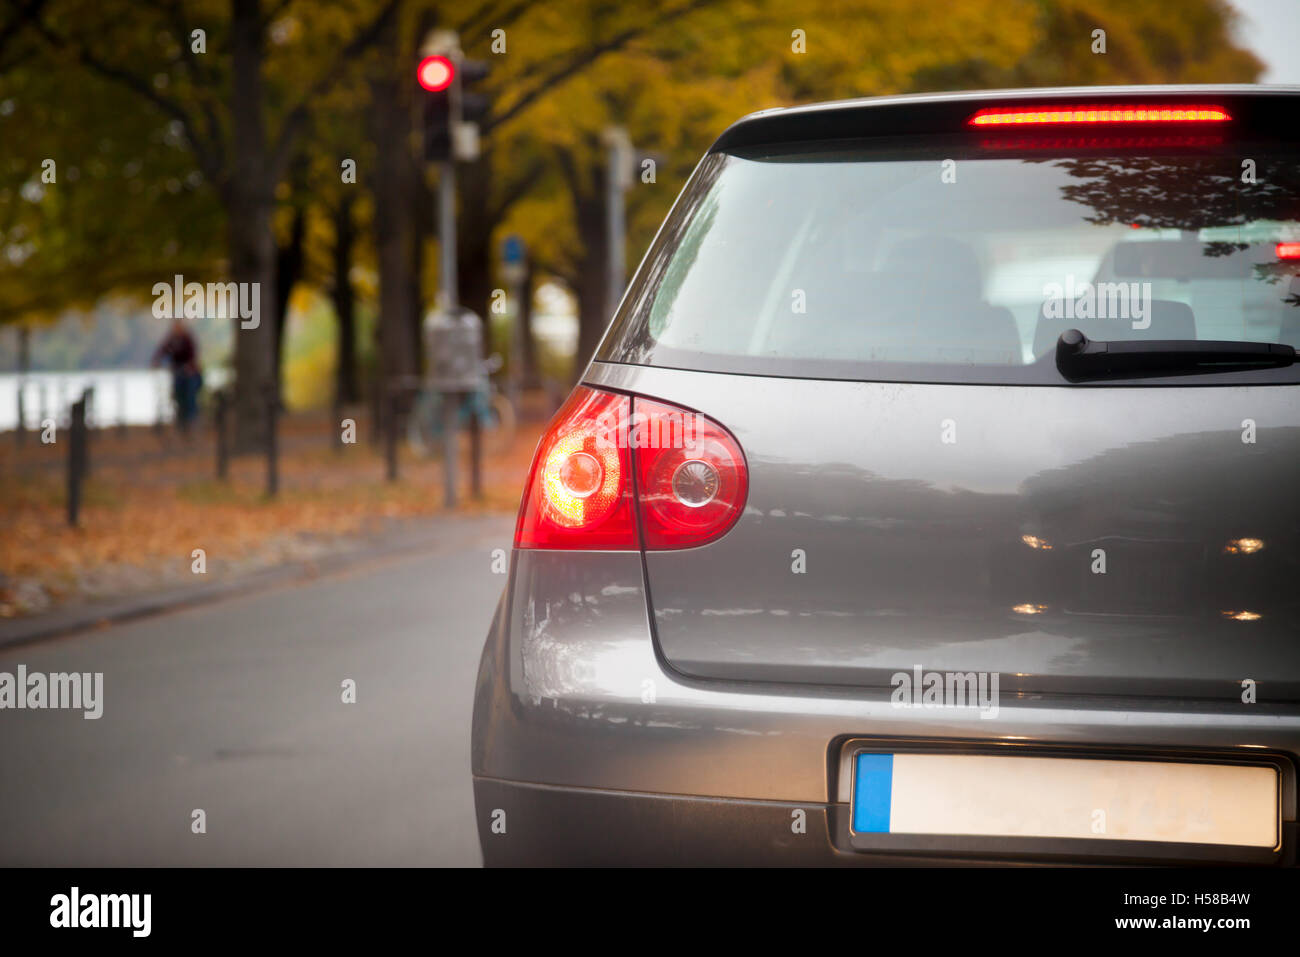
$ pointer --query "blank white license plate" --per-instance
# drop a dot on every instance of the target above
(992, 795)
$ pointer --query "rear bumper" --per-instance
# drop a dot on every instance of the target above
(544, 825)
(538, 825)
(588, 748)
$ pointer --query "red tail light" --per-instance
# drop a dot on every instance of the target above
(579, 492)
(690, 477)
(1113, 113)
(1288, 250)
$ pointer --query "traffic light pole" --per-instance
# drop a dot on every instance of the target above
(447, 235)
(514, 269)
(517, 333)
(450, 302)
(615, 229)
(617, 180)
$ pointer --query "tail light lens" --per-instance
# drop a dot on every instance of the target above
(579, 492)
(690, 477)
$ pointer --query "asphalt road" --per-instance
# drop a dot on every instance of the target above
(236, 708)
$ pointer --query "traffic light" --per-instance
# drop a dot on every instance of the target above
(474, 104)
(452, 108)
(437, 75)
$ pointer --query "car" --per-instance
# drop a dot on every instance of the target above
(848, 549)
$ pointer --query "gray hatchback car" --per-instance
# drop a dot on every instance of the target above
(934, 495)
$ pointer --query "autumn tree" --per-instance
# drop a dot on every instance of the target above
(675, 90)
(220, 87)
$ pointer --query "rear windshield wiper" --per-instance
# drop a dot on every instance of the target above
(1078, 357)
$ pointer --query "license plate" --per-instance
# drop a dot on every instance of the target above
(1098, 799)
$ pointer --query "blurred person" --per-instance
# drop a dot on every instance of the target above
(181, 352)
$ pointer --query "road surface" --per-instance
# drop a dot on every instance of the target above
(235, 708)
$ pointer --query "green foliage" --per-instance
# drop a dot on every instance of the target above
(127, 207)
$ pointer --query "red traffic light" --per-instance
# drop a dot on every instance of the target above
(436, 73)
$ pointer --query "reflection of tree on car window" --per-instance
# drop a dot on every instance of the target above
(1181, 192)
(1189, 193)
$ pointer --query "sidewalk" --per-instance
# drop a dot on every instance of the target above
(157, 529)
(398, 539)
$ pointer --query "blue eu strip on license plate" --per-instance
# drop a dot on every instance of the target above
(875, 783)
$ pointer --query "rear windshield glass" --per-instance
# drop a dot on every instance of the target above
(947, 264)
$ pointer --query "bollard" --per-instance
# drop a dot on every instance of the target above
(272, 443)
(76, 452)
(24, 367)
(158, 392)
(87, 416)
(20, 432)
(219, 412)
(450, 445)
(475, 453)
(391, 420)
(121, 406)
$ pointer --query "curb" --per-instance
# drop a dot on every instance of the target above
(58, 623)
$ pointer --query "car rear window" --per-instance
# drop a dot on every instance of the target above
(951, 263)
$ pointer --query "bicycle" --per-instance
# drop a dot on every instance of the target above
(495, 412)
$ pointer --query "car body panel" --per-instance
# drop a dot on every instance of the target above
(912, 551)
(572, 693)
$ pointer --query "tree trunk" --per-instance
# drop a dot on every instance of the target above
(586, 182)
(589, 207)
(390, 114)
(249, 200)
(346, 390)
(288, 270)
(474, 237)
(252, 261)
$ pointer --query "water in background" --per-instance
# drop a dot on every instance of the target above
(130, 396)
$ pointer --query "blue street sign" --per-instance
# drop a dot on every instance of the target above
(512, 250)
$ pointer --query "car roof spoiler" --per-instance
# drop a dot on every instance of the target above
(1252, 108)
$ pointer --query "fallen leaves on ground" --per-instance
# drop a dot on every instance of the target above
(153, 499)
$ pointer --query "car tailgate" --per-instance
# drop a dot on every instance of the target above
(1093, 541)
